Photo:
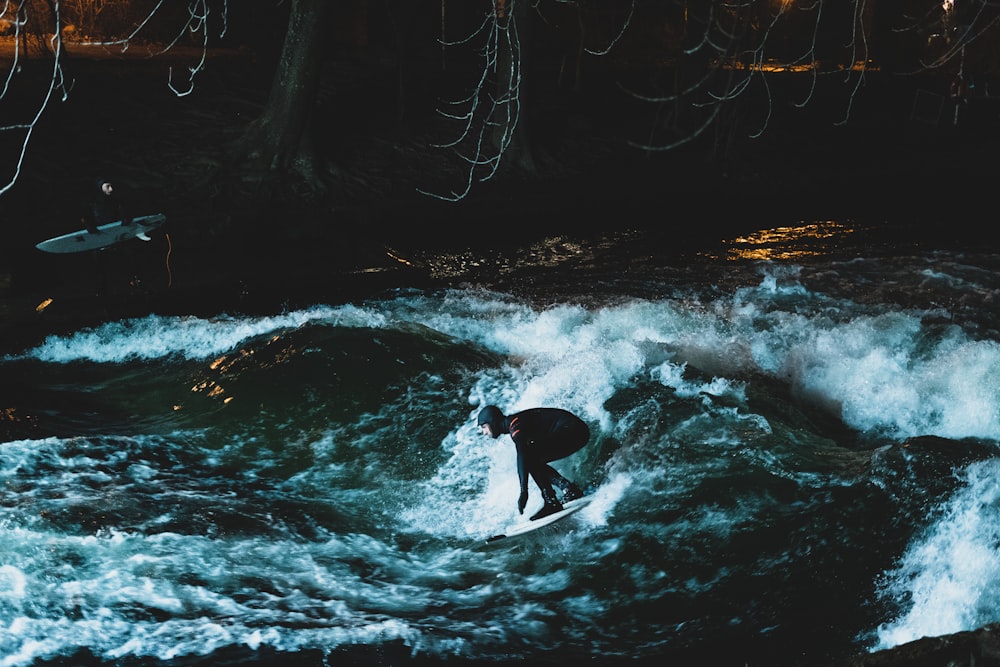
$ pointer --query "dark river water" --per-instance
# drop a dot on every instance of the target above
(794, 459)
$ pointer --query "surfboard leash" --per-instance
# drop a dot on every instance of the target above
(170, 249)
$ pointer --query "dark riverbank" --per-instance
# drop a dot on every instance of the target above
(244, 245)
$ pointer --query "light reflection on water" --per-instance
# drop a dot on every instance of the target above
(782, 243)
(789, 243)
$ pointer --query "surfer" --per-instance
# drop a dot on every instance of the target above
(107, 206)
(540, 435)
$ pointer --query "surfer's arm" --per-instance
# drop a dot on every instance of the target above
(522, 475)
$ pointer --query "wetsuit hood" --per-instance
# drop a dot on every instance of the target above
(492, 415)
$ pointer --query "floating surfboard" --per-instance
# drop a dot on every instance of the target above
(528, 526)
(106, 235)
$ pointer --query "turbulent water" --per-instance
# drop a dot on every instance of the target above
(794, 459)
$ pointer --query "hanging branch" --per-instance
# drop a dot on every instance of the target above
(491, 110)
(56, 82)
(19, 14)
(489, 115)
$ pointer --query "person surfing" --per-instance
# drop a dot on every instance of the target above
(540, 435)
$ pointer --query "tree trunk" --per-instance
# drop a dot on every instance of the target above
(280, 142)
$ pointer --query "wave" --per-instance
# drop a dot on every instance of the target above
(181, 486)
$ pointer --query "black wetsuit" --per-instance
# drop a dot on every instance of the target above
(542, 435)
(105, 209)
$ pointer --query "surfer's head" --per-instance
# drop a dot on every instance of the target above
(104, 185)
(491, 417)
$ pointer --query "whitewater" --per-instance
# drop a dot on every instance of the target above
(793, 460)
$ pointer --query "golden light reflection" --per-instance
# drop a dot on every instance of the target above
(274, 352)
(777, 66)
(211, 390)
(224, 362)
(549, 252)
(15, 415)
(789, 243)
(399, 258)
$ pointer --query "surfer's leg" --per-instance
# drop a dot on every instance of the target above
(551, 505)
(570, 491)
(542, 476)
(100, 272)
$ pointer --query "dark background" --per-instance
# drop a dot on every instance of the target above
(886, 149)
(237, 241)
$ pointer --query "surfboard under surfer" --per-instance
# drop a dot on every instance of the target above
(540, 435)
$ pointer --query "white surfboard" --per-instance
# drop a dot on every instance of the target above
(106, 235)
(569, 508)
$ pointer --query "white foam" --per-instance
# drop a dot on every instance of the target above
(948, 579)
(156, 336)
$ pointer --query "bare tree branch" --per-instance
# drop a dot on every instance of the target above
(490, 112)
(56, 82)
(732, 52)
(46, 21)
